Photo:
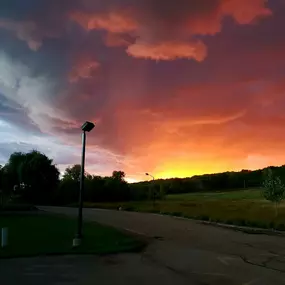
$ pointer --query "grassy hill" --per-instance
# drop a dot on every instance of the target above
(243, 208)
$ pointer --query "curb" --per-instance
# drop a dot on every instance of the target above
(248, 230)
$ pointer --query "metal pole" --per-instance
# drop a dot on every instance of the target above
(81, 190)
(153, 191)
(4, 237)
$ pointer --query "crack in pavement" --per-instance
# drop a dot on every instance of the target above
(263, 265)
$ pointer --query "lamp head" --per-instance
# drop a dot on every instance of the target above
(87, 126)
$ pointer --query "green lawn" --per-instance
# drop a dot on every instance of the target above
(253, 194)
(42, 234)
(244, 208)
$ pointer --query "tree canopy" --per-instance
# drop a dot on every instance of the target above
(73, 172)
(33, 174)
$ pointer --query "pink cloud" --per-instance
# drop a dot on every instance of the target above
(244, 11)
(83, 70)
(168, 50)
(167, 30)
(115, 22)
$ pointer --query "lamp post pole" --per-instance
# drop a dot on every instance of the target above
(81, 189)
(153, 190)
(86, 127)
(150, 176)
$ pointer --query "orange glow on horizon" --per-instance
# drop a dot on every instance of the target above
(182, 169)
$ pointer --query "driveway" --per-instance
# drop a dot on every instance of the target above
(180, 252)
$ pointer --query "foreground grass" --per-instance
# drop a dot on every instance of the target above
(12, 207)
(243, 208)
(42, 234)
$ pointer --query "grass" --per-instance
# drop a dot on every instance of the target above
(243, 208)
(42, 234)
(11, 207)
(252, 194)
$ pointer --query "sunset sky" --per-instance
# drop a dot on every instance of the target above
(176, 88)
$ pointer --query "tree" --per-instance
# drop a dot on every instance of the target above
(67, 192)
(73, 172)
(6, 185)
(1, 186)
(116, 188)
(13, 168)
(119, 175)
(95, 189)
(35, 175)
(273, 189)
(156, 191)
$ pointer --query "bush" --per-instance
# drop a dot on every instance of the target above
(280, 227)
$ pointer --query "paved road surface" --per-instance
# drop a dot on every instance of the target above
(180, 252)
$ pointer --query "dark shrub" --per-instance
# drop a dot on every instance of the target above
(280, 227)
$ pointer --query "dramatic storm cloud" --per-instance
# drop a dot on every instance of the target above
(176, 88)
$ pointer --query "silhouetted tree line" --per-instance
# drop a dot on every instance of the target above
(34, 178)
(97, 188)
(225, 181)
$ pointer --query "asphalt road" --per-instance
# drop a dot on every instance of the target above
(180, 252)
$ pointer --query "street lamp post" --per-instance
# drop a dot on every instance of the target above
(86, 127)
(147, 174)
(153, 193)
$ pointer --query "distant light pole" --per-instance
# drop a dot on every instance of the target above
(86, 127)
(152, 191)
(147, 174)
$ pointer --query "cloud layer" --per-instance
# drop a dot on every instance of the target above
(175, 87)
(168, 30)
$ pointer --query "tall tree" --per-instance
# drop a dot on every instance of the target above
(119, 175)
(13, 169)
(72, 172)
(1, 185)
(274, 189)
(1, 176)
(35, 175)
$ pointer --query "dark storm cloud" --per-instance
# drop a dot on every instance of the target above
(49, 13)
(16, 115)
